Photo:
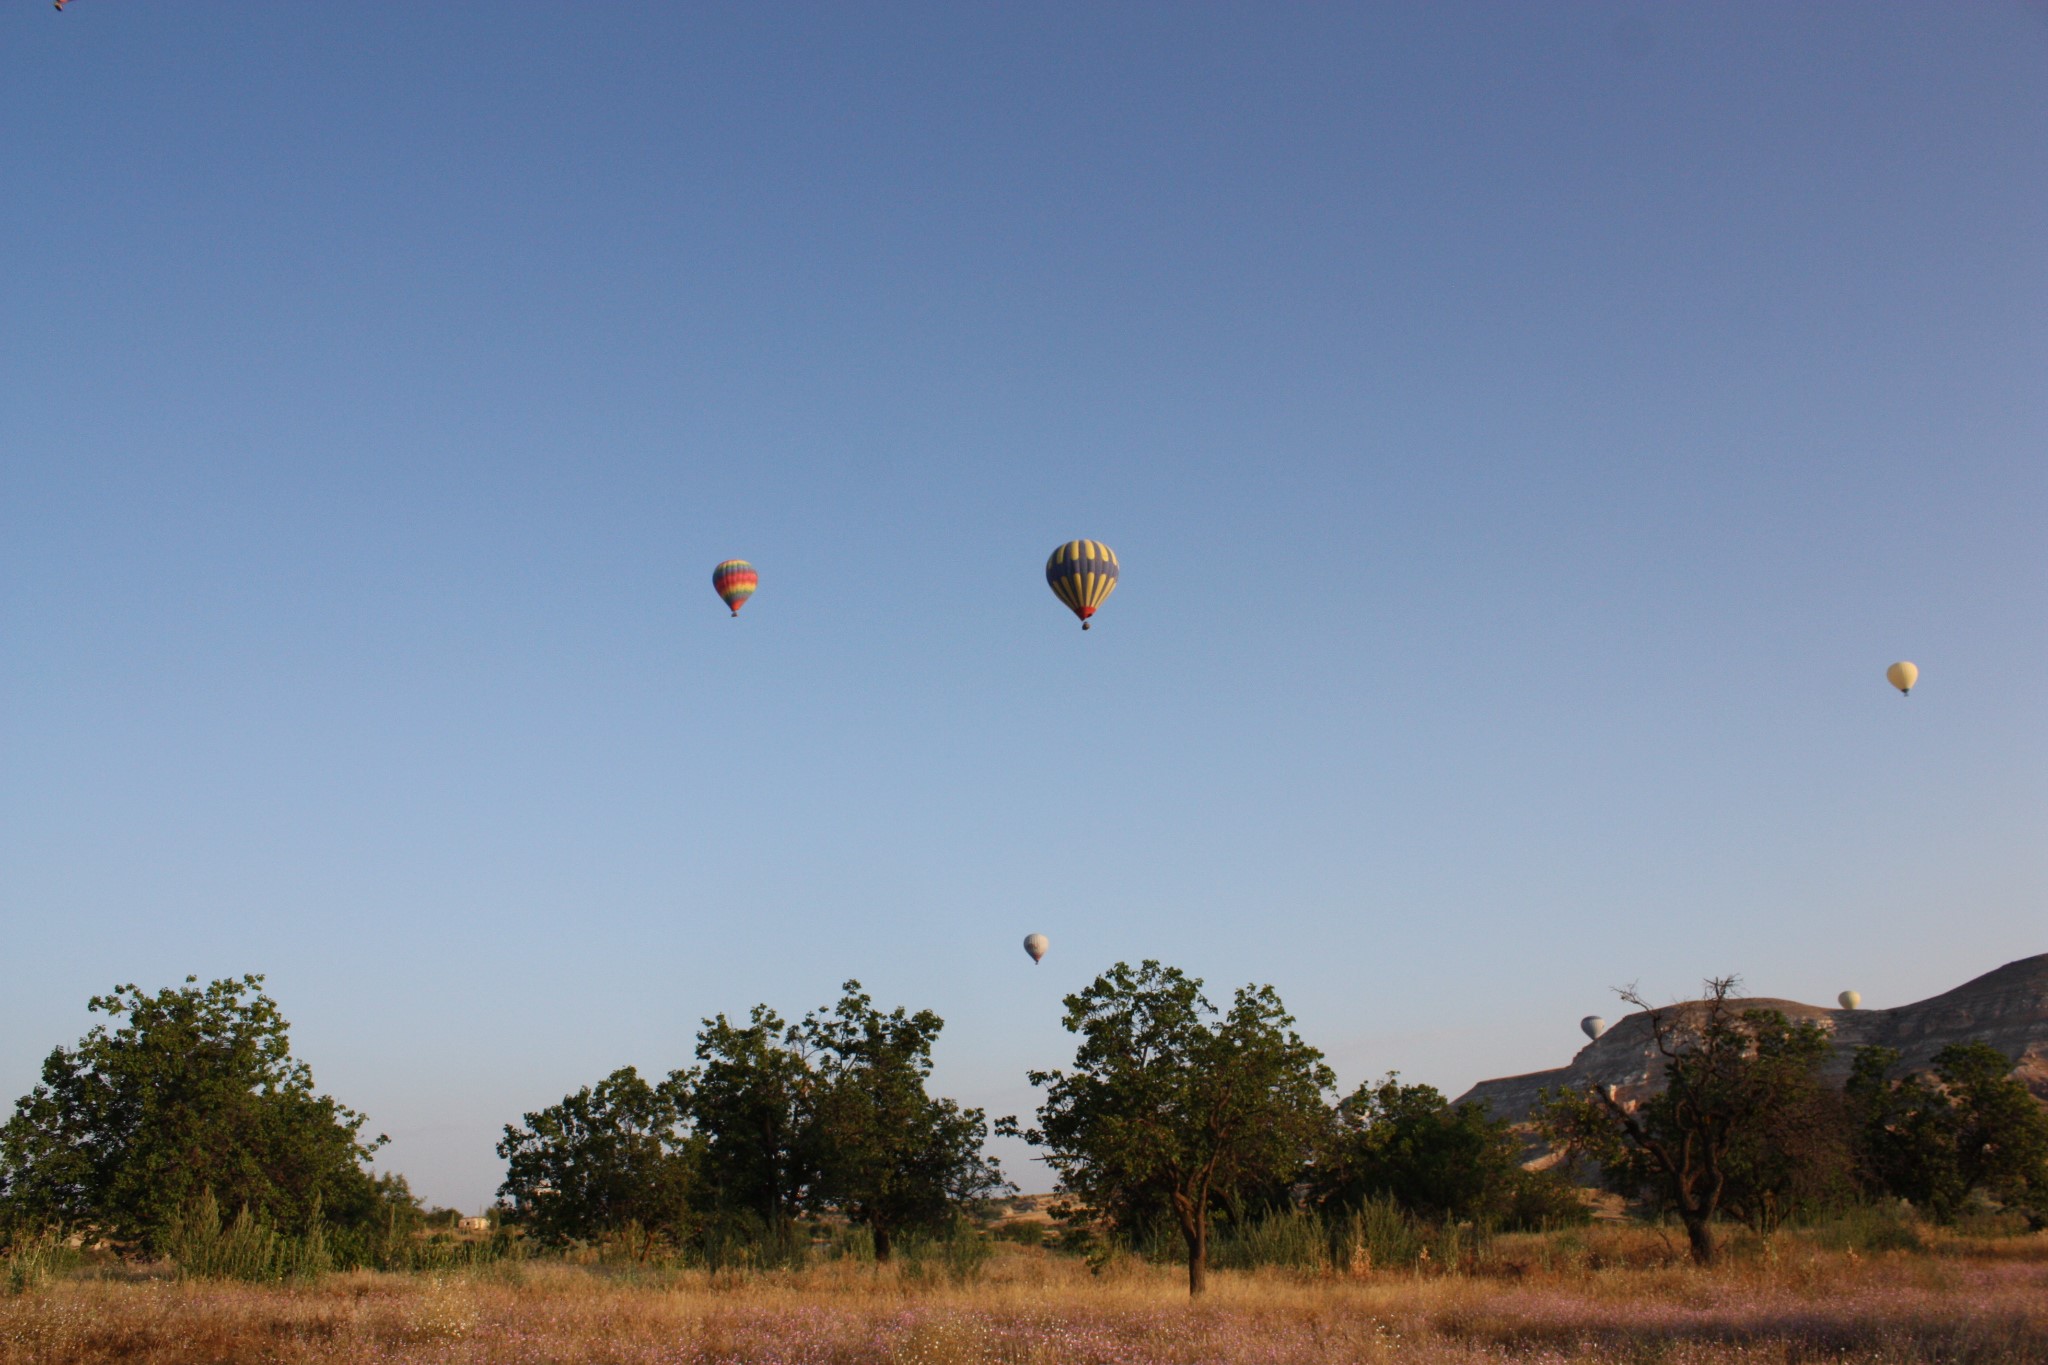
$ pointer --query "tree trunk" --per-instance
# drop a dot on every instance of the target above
(881, 1235)
(1699, 1232)
(1197, 1234)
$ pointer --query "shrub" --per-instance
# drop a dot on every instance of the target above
(1022, 1233)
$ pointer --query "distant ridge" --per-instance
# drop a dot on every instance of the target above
(2007, 1008)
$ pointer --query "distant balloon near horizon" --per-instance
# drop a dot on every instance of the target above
(1850, 1000)
(1902, 675)
(1036, 944)
(1593, 1026)
(735, 581)
(1082, 574)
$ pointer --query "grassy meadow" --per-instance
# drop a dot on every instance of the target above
(1844, 1293)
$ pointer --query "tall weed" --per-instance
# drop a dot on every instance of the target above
(956, 1258)
(1867, 1228)
(1296, 1239)
(34, 1260)
(249, 1248)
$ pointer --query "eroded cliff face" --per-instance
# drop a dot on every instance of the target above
(2007, 1008)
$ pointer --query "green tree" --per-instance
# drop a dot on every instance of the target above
(1736, 1082)
(752, 1099)
(188, 1091)
(1439, 1161)
(1170, 1103)
(1796, 1159)
(2001, 1131)
(608, 1159)
(1973, 1129)
(890, 1156)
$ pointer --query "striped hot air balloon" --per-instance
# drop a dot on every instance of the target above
(735, 580)
(1083, 575)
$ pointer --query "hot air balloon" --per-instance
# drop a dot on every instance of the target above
(1592, 1026)
(1082, 574)
(1850, 1000)
(1902, 675)
(1036, 944)
(735, 581)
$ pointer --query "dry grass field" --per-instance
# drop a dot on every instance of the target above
(1610, 1294)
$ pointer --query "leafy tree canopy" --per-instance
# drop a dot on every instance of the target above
(752, 1098)
(187, 1091)
(1972, 1129)
(1439, 1161)
(606, 1159)
(1741, 1093)
(774, 1122)
(1170, 1103)
(891, 1157)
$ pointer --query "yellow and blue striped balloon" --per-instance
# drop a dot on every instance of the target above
(1082, 574)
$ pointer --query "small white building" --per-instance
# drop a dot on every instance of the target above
(474, 1224)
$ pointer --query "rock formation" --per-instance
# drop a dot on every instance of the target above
(2007, 1008)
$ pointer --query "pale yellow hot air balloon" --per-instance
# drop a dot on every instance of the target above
(1903, 675)
(1593, 1026)
(1036, 944)
(1850, 1000)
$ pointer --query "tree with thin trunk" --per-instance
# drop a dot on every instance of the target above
(1172, 1104)
(891, 1157)
(1733, 1079)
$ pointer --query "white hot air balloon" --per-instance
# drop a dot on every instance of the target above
(1036, 944)
(1850, 1000)
(1592, 1026)
(1902, 675)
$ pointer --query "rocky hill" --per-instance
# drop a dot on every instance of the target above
(2007, 1008)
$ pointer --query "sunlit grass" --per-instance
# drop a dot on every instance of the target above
(1601, 1294)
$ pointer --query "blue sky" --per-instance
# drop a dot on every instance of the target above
(1529, 432)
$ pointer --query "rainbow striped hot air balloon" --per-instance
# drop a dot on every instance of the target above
(1083, 575)
(735, 581)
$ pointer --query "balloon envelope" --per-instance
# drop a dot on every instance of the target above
(1082, 574)
(1592, 1026)
(1850, 999)
(735, 581)
(1036, 944)
(1902, 675)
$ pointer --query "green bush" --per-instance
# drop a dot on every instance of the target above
(1022, 1233)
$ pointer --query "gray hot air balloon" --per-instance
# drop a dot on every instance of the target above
(1036, 944)
(1850, 1000)
(1592, 1026)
